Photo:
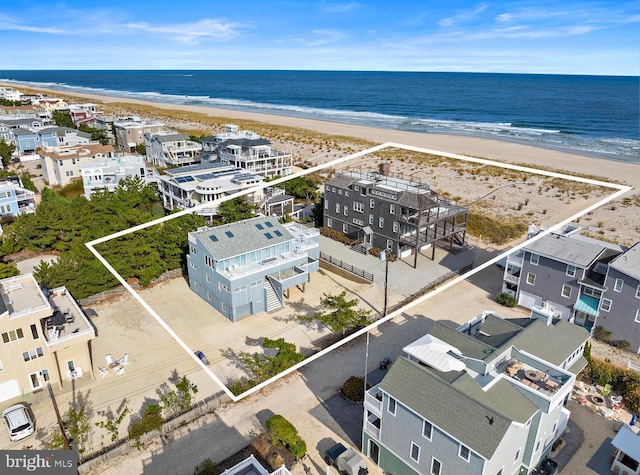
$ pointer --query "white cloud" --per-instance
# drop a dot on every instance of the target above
(322, 37)
(206, 29)
(340, 7)
(9, 24)
(461, 16)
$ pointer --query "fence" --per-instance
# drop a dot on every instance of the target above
(126, 445)
(348, 267)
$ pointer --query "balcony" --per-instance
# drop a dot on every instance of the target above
(515, 260)
(512, 278)
(372, 426)
(373, 400)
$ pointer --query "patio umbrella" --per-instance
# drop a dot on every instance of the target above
(633, 419)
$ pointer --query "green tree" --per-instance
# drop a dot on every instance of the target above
(339, 314)
(6, 151)
(302, 188)
(179, 400)
(234, 210)
(76, 422)
(141, 149)
(262, 367)
(8, 270)
(111, 422)
(62, 119)
(317, 212)
(99, 135)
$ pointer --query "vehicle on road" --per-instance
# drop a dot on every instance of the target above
(347, 461)
(18, 422)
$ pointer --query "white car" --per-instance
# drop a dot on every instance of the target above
(18, 422)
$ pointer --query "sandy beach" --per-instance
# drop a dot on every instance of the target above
(616, 222)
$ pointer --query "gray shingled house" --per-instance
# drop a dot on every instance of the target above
(486, 398)
(380, 210)
(248, 267)
(579, 279)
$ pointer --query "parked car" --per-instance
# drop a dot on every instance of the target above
(18, 422)
(548, 467)
(347, 461)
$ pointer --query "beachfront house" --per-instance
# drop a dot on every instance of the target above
(10, 94)
(247, 150)
(29, 123)
(378, 209)
(83, 114)
(486, 398)
(62, 165)
(14, 198)
(580, 279)
(130, 132)
(171, 149)
(248, 267)
(46, 338)
(26, 141)
(186, 187)
(106, 174)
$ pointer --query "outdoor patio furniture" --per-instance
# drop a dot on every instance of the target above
(104, 371)
(124, 360)
(110, 361)
(583, 401)
(616, 399)
(550, 385)
(618, 407)
(119, 370)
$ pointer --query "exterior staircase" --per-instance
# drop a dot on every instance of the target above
(273, 302)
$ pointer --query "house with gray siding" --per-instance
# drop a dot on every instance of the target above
(248, 267)
(487, 398)
(579, 279)
(377, 209)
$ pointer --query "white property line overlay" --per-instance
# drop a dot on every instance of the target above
(621, 189)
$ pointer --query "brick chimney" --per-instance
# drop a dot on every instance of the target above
(384, 168)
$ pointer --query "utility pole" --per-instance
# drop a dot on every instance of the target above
(60, 423)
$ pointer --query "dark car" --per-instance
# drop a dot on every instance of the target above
(548, 467)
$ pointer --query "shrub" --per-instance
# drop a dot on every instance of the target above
(283, 431)
(506, 299)
(336, 236)
(206, 467)
(353, 389)
(624, 345)
(601, 333)
(152, 420)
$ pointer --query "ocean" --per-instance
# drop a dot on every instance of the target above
(589, 115)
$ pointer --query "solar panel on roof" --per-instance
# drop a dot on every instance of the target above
(277, 233)
(268, 235)
(259, 226)
(229, 234)
(184, 179)
(269, 224)
(213, 237)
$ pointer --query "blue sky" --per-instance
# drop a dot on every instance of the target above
(537, 36)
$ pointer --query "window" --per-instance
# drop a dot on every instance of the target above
(327, 188)
(338, 208)
(359, 207)
(389, 244)
(222, 286)
(427, 429)
(618, 285)
(391, 406)
(207, 277)
(637, 319)
(32, 354)
(605, 305)
(571, 270)
(35, 381)
(345, 228)
(534, 259)
(381, 222)
(333, 189)
(566, 291)
(208, 295)
(326, 203)
(392, 209)
(464, 452)
(435, 466)
(531, 278)
(339, 191)
(45, 375)
(415, 452)
(12, 335)
(395, 226)
(34, 332)
(346, 193)
(518, 454)
(346, 210)
(329, 222)
(638, 292)
(596, 294)
(370, 219)
(372, 203)
(537, 446)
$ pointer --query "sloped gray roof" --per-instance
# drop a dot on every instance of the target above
(468, 345)
(566, 249)
(553, 343)
(498, 331)
(244, 142)
(59, 131)
(170, 137)
(629, 262)
(448, 406)
(21, 131)
(245, 236)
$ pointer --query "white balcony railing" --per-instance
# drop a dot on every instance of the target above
(372, 430)
(512, 279)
